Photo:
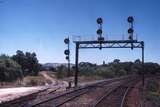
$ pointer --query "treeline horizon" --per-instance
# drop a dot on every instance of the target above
(18, 66)
(116, 68)
(22, 64)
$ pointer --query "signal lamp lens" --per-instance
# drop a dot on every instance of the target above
(66, 52)
(130, 19)
(66, 40)
(99, 31)
(67, 57)
(99, 20)
(130, 30)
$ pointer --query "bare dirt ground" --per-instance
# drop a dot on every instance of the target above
(45, 79)
(8, 94)
(48, 77)
(134, 96)
(83, 80)
(11, 91)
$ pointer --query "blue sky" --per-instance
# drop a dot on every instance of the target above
(41, 25)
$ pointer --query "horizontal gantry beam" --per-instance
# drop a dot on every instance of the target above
(110, 44)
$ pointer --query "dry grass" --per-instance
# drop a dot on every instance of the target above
(41, 79)
(33, 81)
(89, 78)
(45, 78)
(38, 80)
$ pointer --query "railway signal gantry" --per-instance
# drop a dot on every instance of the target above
(101, 43)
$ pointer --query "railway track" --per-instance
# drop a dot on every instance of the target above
(95, 94)
(22, 101)
(116, 96)
(64, 99)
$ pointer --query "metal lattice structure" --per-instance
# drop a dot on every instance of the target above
(102, 43)
(110, 44)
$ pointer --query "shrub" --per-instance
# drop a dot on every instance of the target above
(154, 97)
(61, 72)
(152, 92)
(9, 69)
(33, 81)
(106, 72)
(152, 86)
(87, 71)
(122, 72)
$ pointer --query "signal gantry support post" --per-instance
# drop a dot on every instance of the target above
(76, 64)
(143, 78)
(106, 44)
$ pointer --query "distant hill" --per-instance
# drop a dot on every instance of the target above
(48, 65)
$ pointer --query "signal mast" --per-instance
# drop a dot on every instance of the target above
(67, 53)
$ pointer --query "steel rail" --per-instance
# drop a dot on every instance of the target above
(124, 97)
(71, 98)
(27, 97)
(55, 97)
(109, 93)
(105, 95)
(79, 94)
(78, 89)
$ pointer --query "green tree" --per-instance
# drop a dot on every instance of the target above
(28, 62)
(9, 69)
(116, 61)
(61, 71)
(137, 61)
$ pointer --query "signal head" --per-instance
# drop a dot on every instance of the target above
(67, 57)
(66, 40)
(66, 52)
(130, 19)
(130, 37)
(99, 31)
(130, 30)
(99, 20)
